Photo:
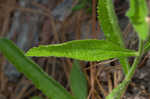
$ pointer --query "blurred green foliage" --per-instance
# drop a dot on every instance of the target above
(83, 4)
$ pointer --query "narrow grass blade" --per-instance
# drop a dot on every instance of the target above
(40, 79)
(137, 14)
(78, 82)
(88, 50)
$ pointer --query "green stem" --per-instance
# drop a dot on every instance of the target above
(134, 65)
(136, 61)
(121, 88)
(147, 45)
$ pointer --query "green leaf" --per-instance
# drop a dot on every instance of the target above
(40, 79)
(111, 29)
(109, 22)
(137, 13)
(88, 50)
(78, 82)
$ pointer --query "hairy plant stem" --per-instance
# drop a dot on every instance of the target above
(121, 88)
(134, 65)
(136, 61)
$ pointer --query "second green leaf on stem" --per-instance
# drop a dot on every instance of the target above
(87, 50)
